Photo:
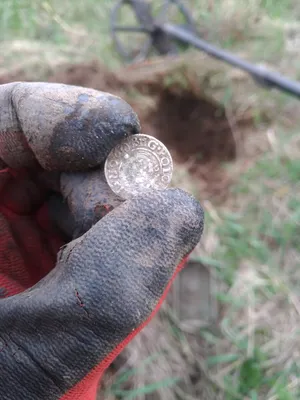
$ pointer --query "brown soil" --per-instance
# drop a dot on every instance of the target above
(91, 75)
(194, 128)
(188, 124)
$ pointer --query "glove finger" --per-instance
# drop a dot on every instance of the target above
(64, 128)
(106, 285)
(60, 215)
(89, 198)
(85, 198)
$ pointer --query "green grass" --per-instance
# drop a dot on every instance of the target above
(84, 26)
(118, 388)
(79, 28)
(258, 260)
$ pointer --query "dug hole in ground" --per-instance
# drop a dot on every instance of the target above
(206, 114)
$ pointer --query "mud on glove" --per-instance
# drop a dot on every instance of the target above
(64, 317)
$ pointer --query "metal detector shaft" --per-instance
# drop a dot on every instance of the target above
(260, 74)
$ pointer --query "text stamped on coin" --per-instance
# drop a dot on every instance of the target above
(137, 164)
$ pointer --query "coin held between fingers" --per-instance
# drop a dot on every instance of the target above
(137, 164)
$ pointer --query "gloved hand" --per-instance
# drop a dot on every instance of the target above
(64, 318)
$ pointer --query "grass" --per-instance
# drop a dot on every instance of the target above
(55, 30)
(252, 242)
(257, 355)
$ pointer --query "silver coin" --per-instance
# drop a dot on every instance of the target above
(137, 164)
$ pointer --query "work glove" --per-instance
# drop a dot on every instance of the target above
(81, 270)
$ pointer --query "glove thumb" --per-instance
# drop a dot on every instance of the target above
(58, 337)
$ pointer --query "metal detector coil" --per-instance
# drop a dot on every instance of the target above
(151, 30)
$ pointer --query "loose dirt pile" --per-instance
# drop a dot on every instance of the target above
(175, 107)
(195, 129)
(187, 123)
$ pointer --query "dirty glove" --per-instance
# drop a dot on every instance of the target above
(65, 317)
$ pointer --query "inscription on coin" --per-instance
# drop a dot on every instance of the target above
(137, 164)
